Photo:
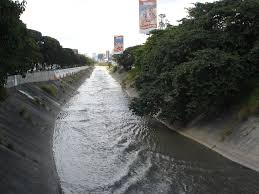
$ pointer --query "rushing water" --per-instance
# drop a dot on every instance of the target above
(101, 147)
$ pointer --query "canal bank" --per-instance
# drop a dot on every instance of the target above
(27, 119)
(235, 140)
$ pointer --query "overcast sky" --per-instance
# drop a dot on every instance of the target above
(89, 25)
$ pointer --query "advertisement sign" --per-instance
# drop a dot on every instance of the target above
(147, 15)
(118, 44)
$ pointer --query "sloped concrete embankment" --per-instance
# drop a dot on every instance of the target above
(27, 119)
(128, 87)
(233, 139)
(224, 134)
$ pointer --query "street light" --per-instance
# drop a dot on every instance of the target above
(162, 24)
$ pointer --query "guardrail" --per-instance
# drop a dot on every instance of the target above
(42, 76)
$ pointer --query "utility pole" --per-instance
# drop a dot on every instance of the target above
(162, 24)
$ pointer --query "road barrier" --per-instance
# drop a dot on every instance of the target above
(42, 76)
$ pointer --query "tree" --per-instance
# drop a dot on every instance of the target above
(51, 51)
(200, 65)
(129, 57)
(11, 36)
(23, 49)
(68, 58)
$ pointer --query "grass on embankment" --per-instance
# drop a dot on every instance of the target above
(128, 77)
(247, 105)
(51, 89)
(250, 103)
(112, 69)
(131, 76)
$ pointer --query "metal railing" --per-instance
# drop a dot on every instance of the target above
(42, 76)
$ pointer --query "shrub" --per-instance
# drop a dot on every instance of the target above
(210, 79)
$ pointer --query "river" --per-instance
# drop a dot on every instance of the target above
(101, 147)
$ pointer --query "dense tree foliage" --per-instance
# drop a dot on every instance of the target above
(129, 57)
(200, 65)
(12, 37)
(22, 49)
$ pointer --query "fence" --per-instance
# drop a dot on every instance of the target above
(42, 76)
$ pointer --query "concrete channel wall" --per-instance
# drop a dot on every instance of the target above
(16, 80)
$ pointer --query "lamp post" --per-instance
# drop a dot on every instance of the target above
(162, 24)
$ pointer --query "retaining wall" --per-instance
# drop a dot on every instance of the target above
(16, 80)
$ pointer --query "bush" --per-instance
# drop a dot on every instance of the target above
(51, 89)
(209, 80)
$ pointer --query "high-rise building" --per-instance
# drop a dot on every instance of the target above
(108, 55)
(100, 57)
(94, 56)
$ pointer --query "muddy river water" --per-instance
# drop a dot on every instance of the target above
(101, 147)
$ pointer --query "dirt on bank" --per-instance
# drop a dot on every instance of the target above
(27, 119)
(224, 134)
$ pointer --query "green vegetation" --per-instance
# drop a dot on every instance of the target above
(132, 56)
(131, 76)
(77, 77)
(37, 100)
(250, 104)
(226, 132)
(51, 89)
(23, 49)
(63, 86)
(25, 114)
(103, 64)
(114, 69)
(69, 80)
(199, 66)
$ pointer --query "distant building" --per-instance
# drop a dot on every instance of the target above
(108, 55)
(100, 57)
(94, 56)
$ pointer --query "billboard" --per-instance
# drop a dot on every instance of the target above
(118, 44)
(147, 15)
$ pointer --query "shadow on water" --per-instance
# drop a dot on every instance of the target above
(101, 147)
